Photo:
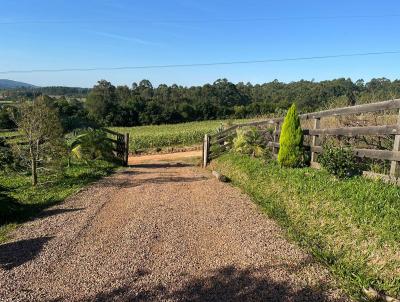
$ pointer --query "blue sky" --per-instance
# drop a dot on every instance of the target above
(106, 33)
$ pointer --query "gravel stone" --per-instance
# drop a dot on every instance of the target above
(158, 231)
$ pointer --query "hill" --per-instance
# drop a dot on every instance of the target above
(10, 84)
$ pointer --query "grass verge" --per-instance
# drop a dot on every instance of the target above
(19, 201)
(352, 226)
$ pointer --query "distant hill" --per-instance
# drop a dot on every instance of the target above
(9, 84)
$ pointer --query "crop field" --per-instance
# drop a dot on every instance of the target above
(5, 102)
(172, 135)
(10, 136)
(153, 137)
(7, 133)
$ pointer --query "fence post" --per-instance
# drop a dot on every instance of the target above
(276, 138)
(126, 148)
(394, 165)
(206, 151)
(317, 122)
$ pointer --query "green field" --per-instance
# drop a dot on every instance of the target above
(173, 135)
(144, 138)
(352, 225)
(7, 134)
(5, 102)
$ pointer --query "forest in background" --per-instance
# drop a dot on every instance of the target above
(143, 104)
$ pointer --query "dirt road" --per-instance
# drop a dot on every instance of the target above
(158, 231)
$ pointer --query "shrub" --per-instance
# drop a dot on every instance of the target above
(291, 151)
(216, 150)
(92, 145)
(249, 141)
(6, 155)
(340, 161)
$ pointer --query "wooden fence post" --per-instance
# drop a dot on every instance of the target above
(317, 122)
(206, 150)
(394, 165)
(126, 148)
(276, 138)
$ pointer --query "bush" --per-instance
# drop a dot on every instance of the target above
(291, 151)
(92, 145)
(340, 161)
(216, 150)
(6, 155)
(249, 141)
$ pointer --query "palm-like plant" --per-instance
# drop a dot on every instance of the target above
(249, 141)
(90, 145)
(73, 147)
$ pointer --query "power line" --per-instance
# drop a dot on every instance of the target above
(201, 64)
(228, 20)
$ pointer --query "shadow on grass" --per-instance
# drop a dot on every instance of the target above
(225, 284)
(43, 196)
(14, 254)
(13, 211)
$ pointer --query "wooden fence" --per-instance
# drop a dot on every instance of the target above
(316, 132)
(120, 142)
(121, 145)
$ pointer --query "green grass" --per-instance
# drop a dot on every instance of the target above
(173, 135)
(19, 201)
(352, 226)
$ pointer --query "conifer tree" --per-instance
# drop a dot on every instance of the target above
(291, 151)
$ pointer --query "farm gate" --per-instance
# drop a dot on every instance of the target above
(121, 145)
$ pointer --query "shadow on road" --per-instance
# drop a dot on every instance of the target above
(14, 254)
(225, 284)
(161, 165)
(123, 183)
(52, 212)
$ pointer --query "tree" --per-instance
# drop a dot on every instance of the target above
(42, 134)
(5, 118)
(146, 90)
(291, 151)
(123, 93)
(102, 103)
(142, 103)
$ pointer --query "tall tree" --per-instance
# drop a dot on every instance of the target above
(42, 132)
(146, 89)
(102, 103)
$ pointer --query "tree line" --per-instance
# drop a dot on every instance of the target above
(143, 104)
(31, 92)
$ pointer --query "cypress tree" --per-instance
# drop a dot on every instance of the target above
(291, 151)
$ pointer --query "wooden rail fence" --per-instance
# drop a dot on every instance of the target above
(316, 132)
(121, 145)
(119, 140)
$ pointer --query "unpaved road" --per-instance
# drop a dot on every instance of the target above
(164, 157)
(158, 232)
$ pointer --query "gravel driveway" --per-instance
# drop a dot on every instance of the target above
(158, 232)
